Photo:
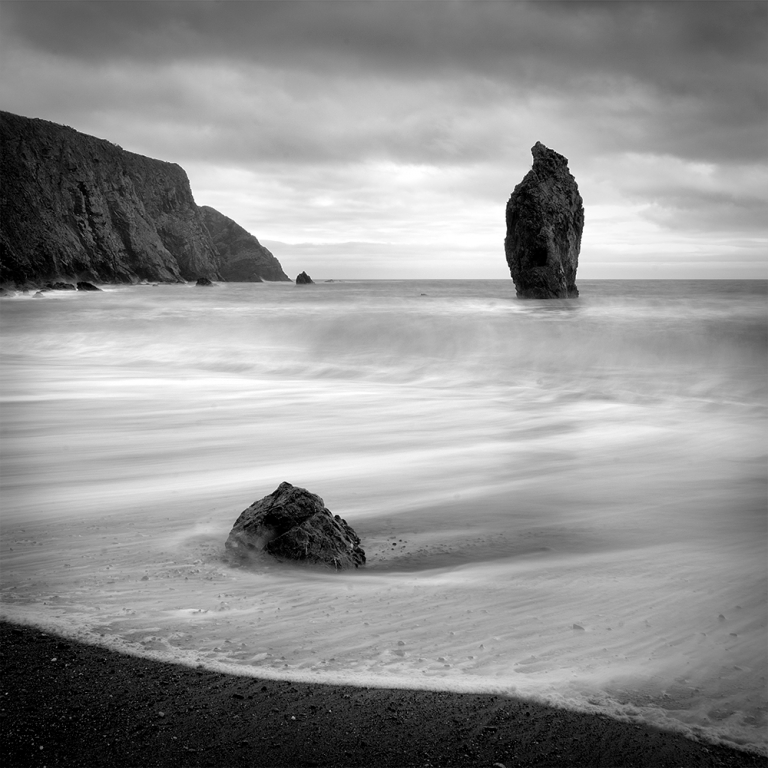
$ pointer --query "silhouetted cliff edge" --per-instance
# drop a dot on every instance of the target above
(76, 207)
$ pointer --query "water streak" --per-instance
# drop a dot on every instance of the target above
(564, 500)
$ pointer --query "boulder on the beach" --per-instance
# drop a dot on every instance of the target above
(545, 219)
(294, 524)
(85, 286)
(203, 282)
(304, 279)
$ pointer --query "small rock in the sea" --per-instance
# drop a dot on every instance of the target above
(401, 642)
(578, 626)
(721, 617)
(304, 279)
(82, 285)
(39, 295)
(204, 281)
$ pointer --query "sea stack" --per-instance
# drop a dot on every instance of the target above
(545, 219)
(304, 279)
(293, 524)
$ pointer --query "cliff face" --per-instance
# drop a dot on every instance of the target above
(242, 257)
(545, 220)
(77, 207)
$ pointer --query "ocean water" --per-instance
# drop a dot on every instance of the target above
(563, 500)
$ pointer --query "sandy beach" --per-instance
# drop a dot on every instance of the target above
(70, 704)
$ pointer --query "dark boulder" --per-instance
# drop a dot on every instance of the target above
(84, 286)
(203, 282)
(304, 279)
(294, 524)
(545, 219)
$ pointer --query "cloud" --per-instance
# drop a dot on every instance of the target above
(409, 123)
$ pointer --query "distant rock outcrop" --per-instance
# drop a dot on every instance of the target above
(294, 524)
(243, 259)
(204, 282)
(304, 279)
(545, 219)
(86, 286)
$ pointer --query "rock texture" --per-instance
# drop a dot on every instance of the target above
(74, 205)
(242, 258)
(78, 208)
(294, 524)
(58, 286)
(545, 219)
(304, 279)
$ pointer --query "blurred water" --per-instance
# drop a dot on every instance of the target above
(564, 500)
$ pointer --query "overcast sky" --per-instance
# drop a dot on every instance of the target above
(383, 138)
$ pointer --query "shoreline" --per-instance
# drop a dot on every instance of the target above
(67, 703)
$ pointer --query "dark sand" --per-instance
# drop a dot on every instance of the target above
(69, 704)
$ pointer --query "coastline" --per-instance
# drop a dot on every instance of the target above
(67, 703)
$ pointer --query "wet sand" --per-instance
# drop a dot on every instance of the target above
(65, 703)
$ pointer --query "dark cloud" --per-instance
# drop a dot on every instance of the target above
(680, 47)
(702, 63)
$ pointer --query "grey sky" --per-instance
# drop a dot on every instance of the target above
(383, 138)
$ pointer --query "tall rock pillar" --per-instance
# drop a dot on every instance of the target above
(545, 219)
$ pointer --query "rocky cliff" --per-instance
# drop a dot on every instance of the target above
(80, 208)
(242, 257)
(545, 220)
